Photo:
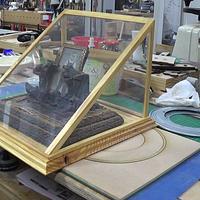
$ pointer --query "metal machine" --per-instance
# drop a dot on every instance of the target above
(187, 44)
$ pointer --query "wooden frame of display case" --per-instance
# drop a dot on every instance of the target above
(52, 158)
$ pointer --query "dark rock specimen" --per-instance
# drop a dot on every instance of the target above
(43, 113)
(60, 86)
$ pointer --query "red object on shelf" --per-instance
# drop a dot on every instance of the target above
(84, 41)
(109, 42)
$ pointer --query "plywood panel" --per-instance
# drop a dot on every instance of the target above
(158, 81)
(192, 193)
(10, 189)
(79, 188)
(26, 17)
(118, 181)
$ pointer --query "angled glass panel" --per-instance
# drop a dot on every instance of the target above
(59, 74)
(127, 89)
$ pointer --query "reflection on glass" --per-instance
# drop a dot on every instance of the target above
(53, 81)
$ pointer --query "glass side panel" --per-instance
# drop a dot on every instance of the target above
(127, 89)
(54, 79)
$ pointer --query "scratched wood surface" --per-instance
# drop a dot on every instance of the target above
(10, 189)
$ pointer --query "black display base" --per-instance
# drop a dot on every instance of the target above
(7, 161)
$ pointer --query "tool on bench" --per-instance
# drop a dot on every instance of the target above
(25, 37)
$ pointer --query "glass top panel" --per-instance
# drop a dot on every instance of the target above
(49, 85)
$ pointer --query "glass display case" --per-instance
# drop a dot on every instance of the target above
(64, 98)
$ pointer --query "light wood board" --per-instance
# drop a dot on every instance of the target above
(119, 181)
(10, 189)
(192, 193)
(159, 82)
(26, 17)
(79, 188)
(11, 42)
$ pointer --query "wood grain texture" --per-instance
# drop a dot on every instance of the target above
(94, 146)
(21, 17)
(36, 158)
(10, 189)
(130, 122)
(159, 82)
(19, 139)
(29, 156)
(150, 39)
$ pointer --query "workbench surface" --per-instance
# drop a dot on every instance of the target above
(10, 189)
(173, 184)
(168, 187)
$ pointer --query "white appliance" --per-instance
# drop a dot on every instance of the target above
(187, 44)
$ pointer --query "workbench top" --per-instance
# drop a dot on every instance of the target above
(10, 189)
(168, 187)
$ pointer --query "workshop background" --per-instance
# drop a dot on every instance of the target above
(99, 99)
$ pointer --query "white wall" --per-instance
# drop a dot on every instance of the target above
(172, 15)
(167, 14)
(159, 17)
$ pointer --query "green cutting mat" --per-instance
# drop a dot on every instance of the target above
(131, 104)
(186, 120)
(189, 121)
(126, 102)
